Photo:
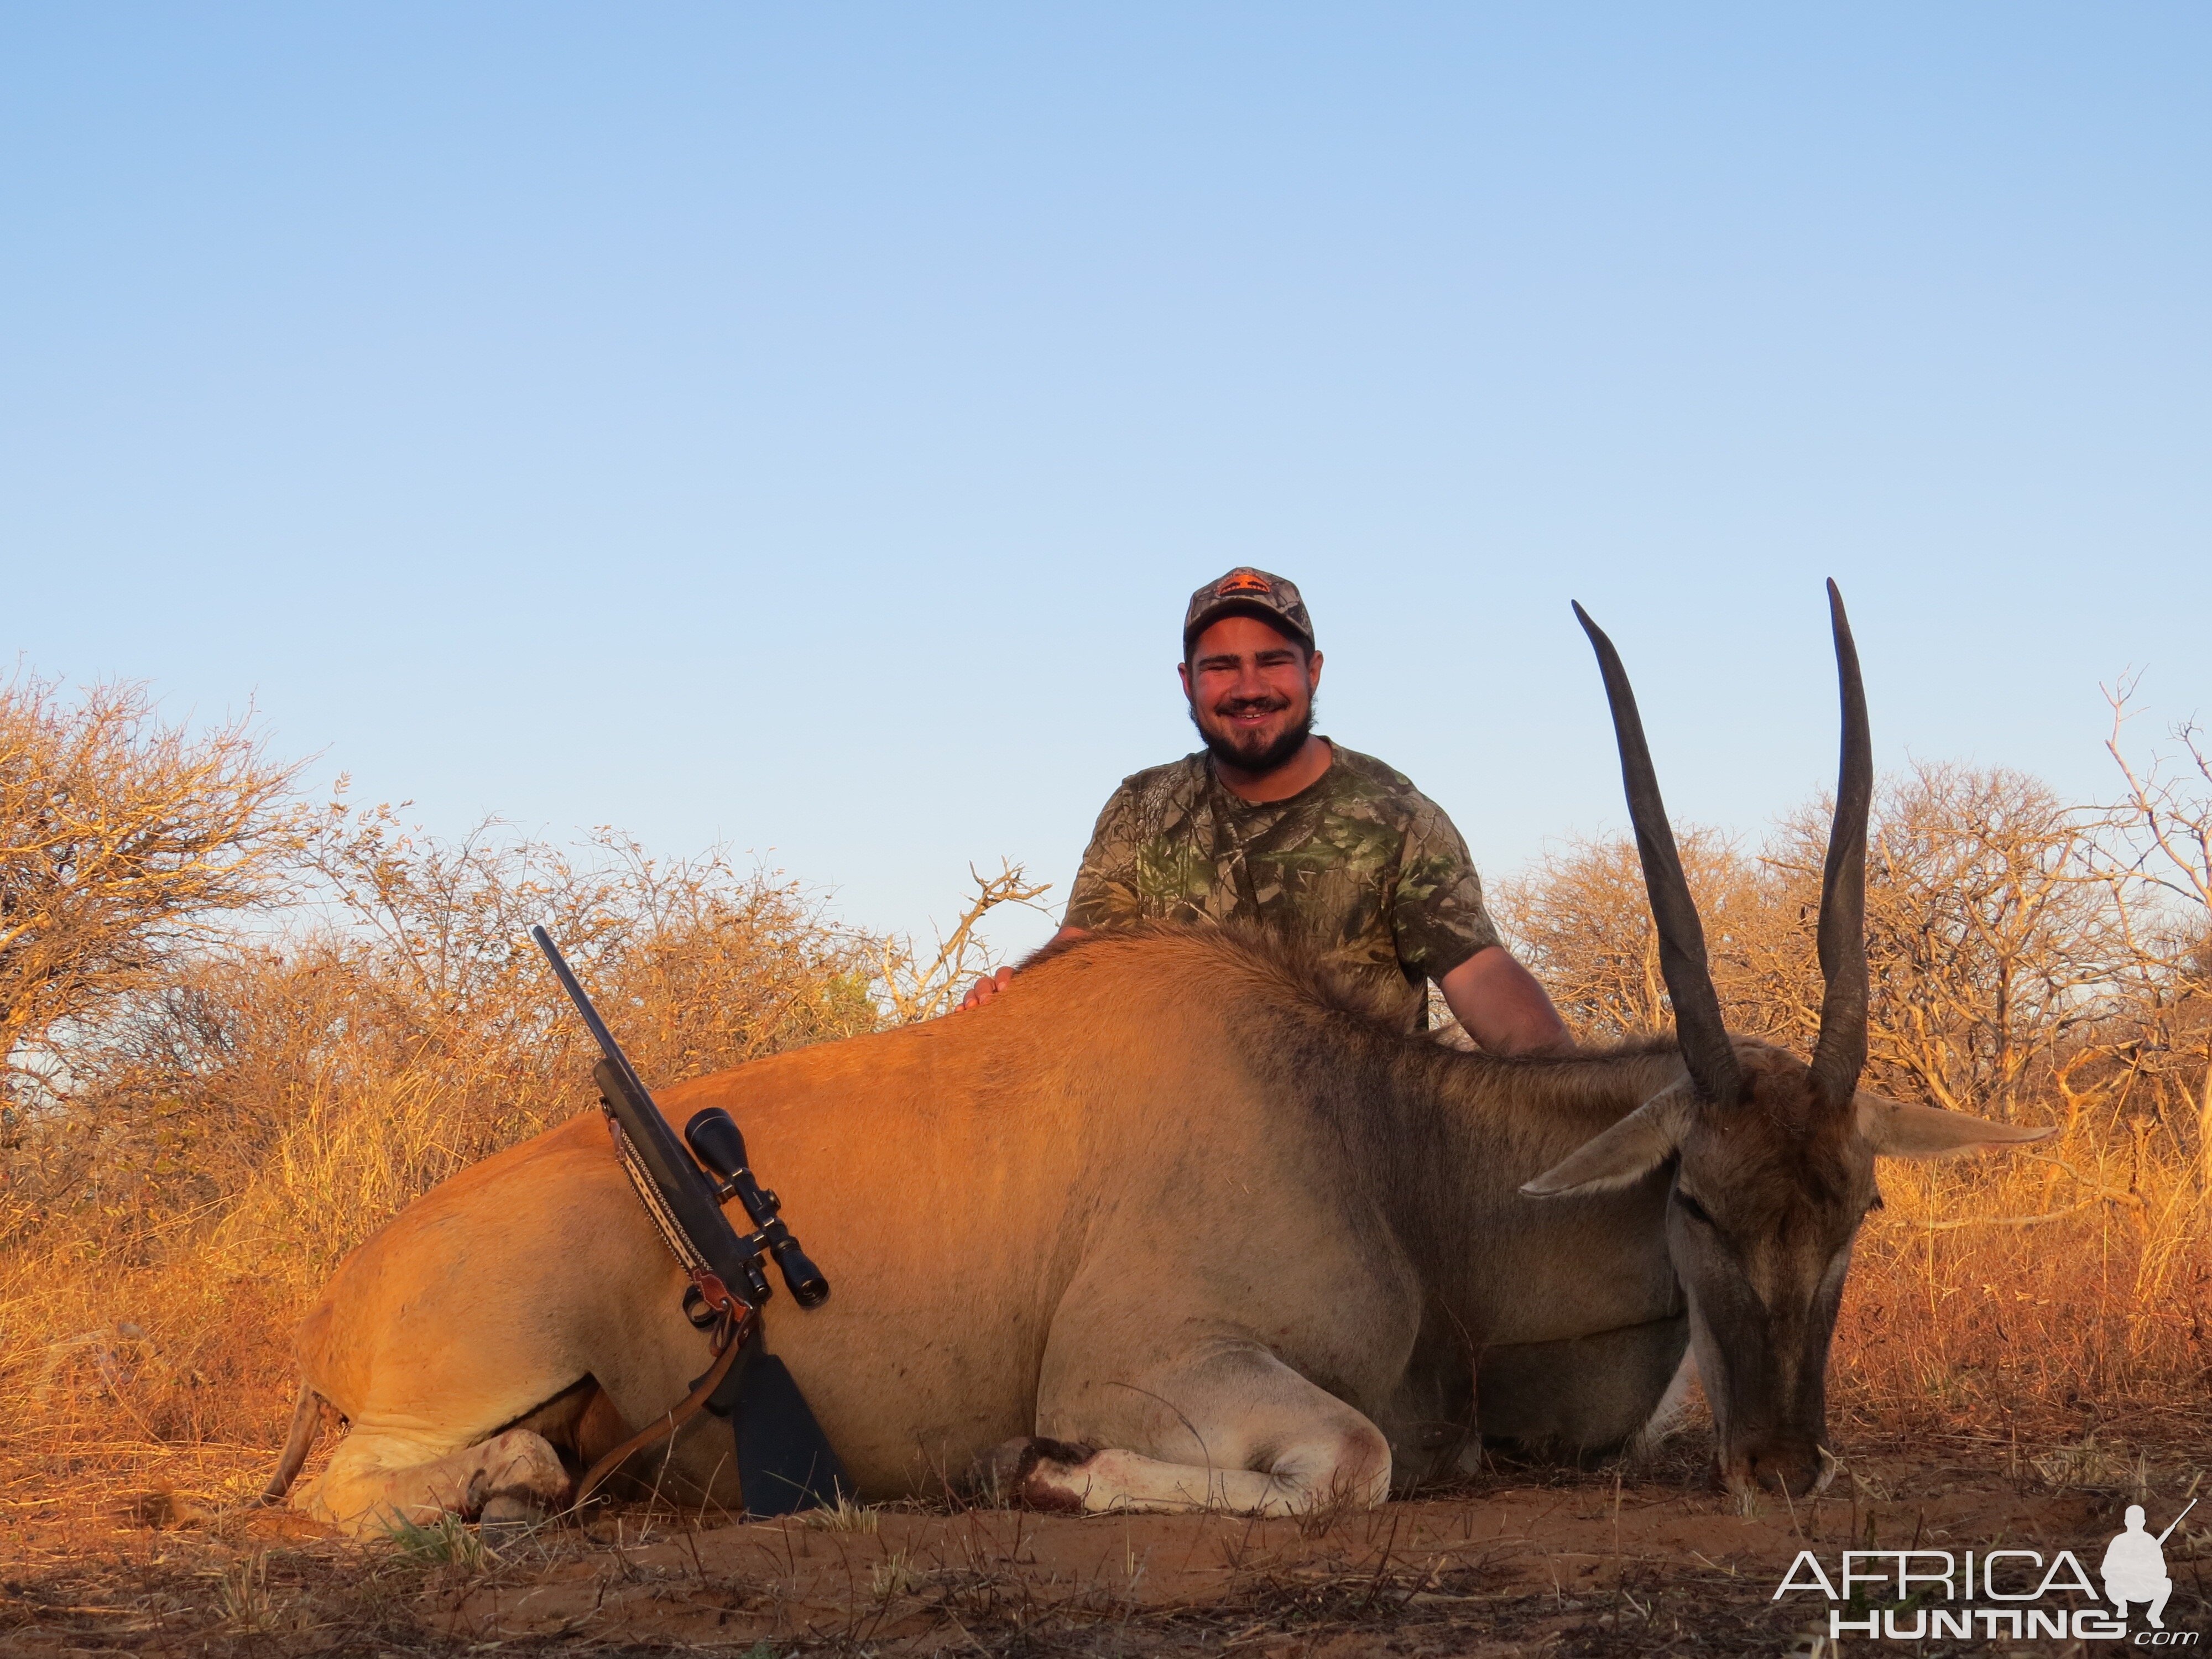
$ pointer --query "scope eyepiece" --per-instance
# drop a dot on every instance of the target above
(808, 1287)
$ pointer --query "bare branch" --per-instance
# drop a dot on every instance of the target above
(917, 989)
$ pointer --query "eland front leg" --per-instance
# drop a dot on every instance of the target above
(1228, 1427)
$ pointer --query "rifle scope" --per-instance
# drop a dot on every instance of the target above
(717, 1143)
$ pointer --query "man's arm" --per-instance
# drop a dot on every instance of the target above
(991, 984)
(1438, 916)
(1501, 1007)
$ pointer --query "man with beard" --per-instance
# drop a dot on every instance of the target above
(1274, 827)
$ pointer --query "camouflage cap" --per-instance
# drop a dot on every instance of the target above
(1249, 592)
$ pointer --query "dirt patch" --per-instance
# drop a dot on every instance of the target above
(1524, 1561)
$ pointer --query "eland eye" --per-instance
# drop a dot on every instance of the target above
(1696, 1212)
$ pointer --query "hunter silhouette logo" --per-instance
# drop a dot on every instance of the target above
(2134, 1567)
(1913, 1595)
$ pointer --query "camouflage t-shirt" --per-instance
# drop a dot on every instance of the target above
(1359, 866)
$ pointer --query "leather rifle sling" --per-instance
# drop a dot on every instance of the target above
(671, 1420)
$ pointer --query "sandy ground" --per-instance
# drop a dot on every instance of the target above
(1525, 1561)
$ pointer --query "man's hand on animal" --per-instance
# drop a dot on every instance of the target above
(990, 985)
(1272, 827)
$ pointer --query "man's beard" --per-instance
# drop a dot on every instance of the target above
(1250, 756)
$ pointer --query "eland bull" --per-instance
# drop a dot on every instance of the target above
(1172, 1222)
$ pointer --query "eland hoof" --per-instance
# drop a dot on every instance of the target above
(1006, 1474)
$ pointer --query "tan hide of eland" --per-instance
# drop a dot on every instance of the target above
(1167, 1223)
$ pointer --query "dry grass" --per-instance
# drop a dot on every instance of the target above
(2056, 1290)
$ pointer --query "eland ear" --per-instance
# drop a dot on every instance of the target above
(1632, 1149)
(1894, 1129)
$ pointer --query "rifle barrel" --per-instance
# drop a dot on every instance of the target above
(675, 1192)
(597, 1027)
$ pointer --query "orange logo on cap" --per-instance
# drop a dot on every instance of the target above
(1243, 582)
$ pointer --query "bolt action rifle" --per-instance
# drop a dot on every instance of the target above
(785, 1462)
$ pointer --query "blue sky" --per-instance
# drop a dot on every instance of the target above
(801, 427)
